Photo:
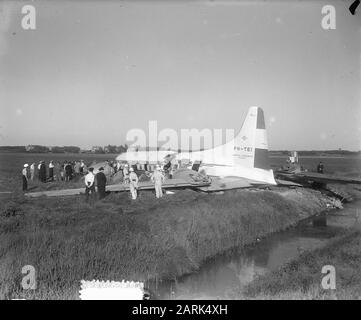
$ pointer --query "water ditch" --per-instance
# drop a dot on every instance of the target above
(219, 276)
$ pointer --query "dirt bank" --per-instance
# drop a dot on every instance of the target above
(67, 240)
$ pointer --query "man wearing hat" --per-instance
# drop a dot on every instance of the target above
(25, 177)
(89, 183)
(158, 179)
(133, 183)
(101, 181)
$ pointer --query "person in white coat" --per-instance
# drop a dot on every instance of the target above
(89, 183)
(133, 183)
(126, 173)
(32, 171)
(158, 179)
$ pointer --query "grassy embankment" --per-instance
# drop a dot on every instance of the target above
(67, 239)
(301, 278)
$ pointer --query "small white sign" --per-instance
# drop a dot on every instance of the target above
(111, 290)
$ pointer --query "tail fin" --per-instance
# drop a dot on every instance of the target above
(244, 156)
(250, 145)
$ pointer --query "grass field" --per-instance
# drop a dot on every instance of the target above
(115, 239)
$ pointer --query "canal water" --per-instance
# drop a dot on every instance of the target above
(219, 276)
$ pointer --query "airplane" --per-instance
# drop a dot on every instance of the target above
(240, 163)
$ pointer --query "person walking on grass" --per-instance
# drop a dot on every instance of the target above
(101, 181)
(89, 183)
(25, 177)
(133, 183)
(158, 179)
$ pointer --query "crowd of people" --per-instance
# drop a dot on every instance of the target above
(69, 170)
(54, 171)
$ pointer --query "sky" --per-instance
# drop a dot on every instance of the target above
(93, 70)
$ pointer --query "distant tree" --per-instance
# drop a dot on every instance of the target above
(122, 149)
(12, 149)
(57, 149)
(37, 149)
(71, 149)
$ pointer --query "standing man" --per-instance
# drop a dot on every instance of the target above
(171, 172)
(89, 183)
(118, 166)
(57, 169)
(51, 170)
(25, 177)
(101, 181)
(62, 172)
(32, 171)
(68, 171)
(77, 168)
(158, 179)
(42, 172)
(81, 169)
(320, 167)
(126, 174)
(133, 183)
(39, 174)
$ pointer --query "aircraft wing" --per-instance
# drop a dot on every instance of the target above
(306, 177)
(229, 183)
(144, 185)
